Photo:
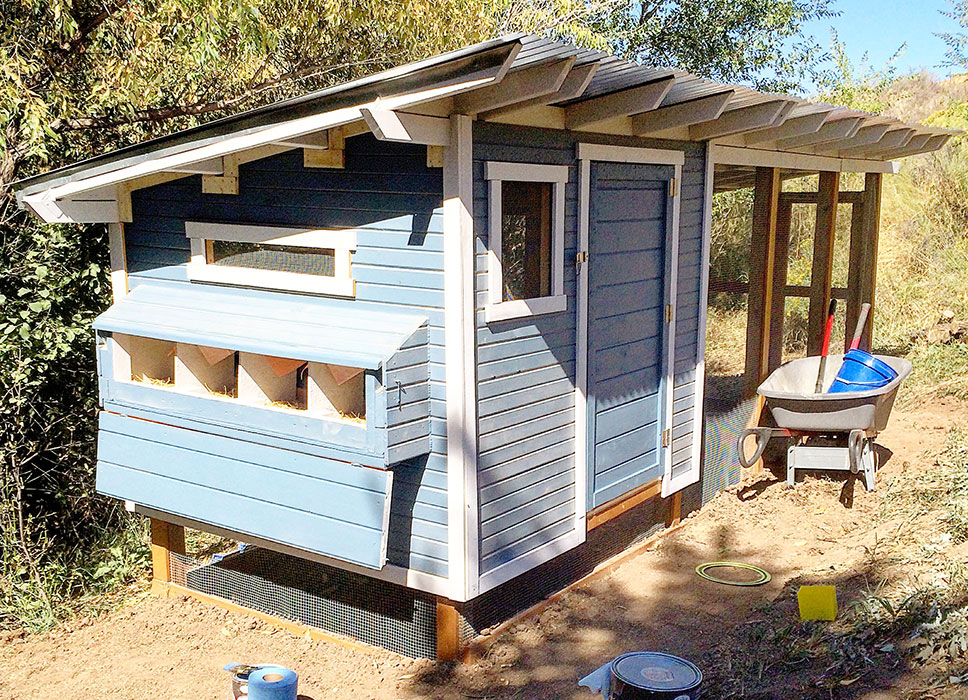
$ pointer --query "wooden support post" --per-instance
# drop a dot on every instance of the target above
(165, 539)
(821, 275)
(781, 255)
(448, 631)
(760, 298)
(675, 510)
(862, 268)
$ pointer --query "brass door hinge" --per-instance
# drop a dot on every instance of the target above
(581, 257)
(666, 437)
(668, 313)
(673, 187)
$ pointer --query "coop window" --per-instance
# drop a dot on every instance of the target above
(271, 257)
(526, 240)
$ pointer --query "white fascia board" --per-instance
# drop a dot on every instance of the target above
(44, 202)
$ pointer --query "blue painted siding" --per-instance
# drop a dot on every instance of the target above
(526, 367)
(393, 201)
(322, 506)
(526, 380)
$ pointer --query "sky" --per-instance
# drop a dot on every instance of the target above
(880, 27)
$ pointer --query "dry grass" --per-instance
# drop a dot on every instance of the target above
(153, 381)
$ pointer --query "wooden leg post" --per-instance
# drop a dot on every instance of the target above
(821, 275)
(448, 631)
(862, 268)
(675, 510)
(165, 539)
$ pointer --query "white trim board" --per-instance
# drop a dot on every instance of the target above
(621, 154)
(44, 202)
(496, 308)
(519, 565)
(630, 154)
(460, 358)
(342, 242)
(757, 157)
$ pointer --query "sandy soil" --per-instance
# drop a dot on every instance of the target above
(174, 649)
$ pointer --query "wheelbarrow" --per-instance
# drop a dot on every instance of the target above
(854, 417)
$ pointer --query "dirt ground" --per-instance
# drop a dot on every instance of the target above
(174, 649)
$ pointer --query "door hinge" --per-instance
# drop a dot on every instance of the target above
(581, 257)
(673, 187)
(668, 313)
(666, 437)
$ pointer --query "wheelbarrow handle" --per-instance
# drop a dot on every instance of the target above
(762, 436)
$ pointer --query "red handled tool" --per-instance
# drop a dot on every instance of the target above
(825, 348)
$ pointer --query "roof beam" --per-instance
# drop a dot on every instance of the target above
(400, 127)
(213, 166)
(888, 142)
(737, 121)
(573, 86)
(524, 84)
(681, 114)
(641, 98)
(795, 126)
(864, 136)
(831, 131)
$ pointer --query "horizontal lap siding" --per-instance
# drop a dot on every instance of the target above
(527, 367)
(526, 381)
(393, 201)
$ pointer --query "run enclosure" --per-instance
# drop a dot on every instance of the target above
(439, 328)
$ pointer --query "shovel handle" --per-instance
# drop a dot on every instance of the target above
(861, 322)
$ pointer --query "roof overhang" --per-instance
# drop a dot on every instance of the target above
(518, 79)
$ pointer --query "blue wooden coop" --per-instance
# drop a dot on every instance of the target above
(436, 326)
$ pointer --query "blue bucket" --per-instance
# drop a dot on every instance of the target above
(862, 371)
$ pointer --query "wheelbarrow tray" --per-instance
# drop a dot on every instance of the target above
(789, 394)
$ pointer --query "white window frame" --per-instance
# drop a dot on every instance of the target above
(496, 308)
(343, 244)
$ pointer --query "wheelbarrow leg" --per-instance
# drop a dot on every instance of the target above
(791, 468)
(870, 460)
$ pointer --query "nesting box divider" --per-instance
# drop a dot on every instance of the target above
(327, 396)
(135, 357)
(196, 373)
(259, 382)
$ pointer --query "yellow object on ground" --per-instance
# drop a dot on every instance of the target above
(817, 602)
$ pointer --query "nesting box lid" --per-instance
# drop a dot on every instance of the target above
(315, 329)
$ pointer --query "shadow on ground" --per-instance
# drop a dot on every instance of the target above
(748, 641)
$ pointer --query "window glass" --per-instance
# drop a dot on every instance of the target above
(526, 239)
(280, 258)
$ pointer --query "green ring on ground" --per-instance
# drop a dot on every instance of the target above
(703, 568)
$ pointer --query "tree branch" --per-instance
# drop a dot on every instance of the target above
(159, 114)
(63, 51)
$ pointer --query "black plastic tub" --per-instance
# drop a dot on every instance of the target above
(652, 675)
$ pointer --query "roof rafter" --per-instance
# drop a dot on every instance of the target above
(634, 100)
(524, 84)
(681, 114)
(865, 135)
(794, 126)
(736, 121)
(388, 125)
(834, 130)
(893, 139)
(922, 143)
(573, 86)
